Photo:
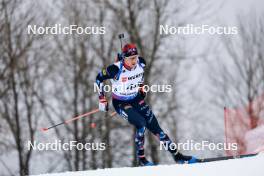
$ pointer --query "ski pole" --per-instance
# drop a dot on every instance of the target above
(76, 118)
(70, 120)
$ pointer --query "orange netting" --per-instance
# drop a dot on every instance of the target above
(245, 127)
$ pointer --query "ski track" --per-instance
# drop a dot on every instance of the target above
(251, 166)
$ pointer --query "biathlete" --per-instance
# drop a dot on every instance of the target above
(127, 77)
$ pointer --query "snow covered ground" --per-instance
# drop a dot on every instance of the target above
(252, 166)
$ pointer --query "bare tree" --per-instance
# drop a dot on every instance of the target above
(79, 55)
(19, 80)
(239, 80)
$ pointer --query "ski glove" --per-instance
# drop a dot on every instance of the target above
(103, 104)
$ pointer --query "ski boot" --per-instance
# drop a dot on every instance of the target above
(184, 159)
(144, 162)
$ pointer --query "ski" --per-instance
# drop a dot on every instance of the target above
(203, 160)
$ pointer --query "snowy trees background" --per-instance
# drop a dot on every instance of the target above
(45, 79)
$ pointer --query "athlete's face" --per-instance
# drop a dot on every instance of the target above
(131, 61)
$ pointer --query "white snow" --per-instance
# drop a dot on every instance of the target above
(252, 166)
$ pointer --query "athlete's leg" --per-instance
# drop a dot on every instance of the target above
(152, 123)
(153, 126)
(127, 111)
